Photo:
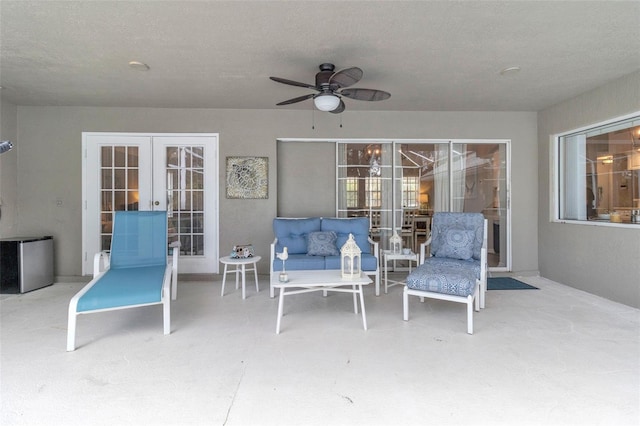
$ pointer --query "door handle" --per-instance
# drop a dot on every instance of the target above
(157, 203)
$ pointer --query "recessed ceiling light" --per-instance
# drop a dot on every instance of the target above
(510, 71)
(140, 66)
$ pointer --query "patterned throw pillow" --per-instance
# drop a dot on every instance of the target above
(456, 244)
(322, 244)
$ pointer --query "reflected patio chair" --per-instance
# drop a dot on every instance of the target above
(374, 221)
(456, 270)
(421, 229)
(137, 272)
(406, 231)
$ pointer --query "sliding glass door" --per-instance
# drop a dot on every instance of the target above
(399, 184)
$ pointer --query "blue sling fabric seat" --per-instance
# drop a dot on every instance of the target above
(137, 273)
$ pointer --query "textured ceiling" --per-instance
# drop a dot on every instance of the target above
(430, 55)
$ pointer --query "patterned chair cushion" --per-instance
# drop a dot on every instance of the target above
(447, 277)
(473, 222)
(322, 244)
(455, 243)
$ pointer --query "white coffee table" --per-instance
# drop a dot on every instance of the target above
(320, 280)
(240, 264)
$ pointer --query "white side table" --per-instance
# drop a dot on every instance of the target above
(388, 255)
(241, 268)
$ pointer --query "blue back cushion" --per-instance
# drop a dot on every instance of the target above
(358, 226)
(293, 233)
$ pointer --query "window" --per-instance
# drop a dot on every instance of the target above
(351, 192)
(410, 188)
(373, 192)
(599, 173)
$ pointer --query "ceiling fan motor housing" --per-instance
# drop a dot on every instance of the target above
(322, 78)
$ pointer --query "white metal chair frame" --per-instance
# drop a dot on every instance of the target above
(475, 300)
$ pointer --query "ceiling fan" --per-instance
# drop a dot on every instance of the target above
(331, 86)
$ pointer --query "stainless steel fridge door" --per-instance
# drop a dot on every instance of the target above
(36, 264)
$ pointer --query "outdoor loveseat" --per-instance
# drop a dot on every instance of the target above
(314, 243)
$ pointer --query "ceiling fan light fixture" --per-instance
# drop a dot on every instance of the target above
(326, 102)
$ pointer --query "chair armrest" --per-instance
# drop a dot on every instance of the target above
(174, 268)
(104, 258)
(423, 249)
(272, 255)
(376, 252)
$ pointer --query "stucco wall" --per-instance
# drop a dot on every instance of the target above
(600, 260)
(9, 171)
(50, 158)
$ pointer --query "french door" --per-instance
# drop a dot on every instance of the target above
(173, 172)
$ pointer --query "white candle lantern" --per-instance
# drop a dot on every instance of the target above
(395, 243)
(350, 259)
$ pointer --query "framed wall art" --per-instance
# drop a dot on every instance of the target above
(248, 177)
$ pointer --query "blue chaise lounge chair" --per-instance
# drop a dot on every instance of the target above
(137, 270)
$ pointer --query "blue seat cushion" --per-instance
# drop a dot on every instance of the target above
(446, 276)
(124, 287)
(298, 262)
(368, 262)
(358, 226)
(293, 233)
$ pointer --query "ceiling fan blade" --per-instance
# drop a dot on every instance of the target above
(339, 109)
(346, 77)
(298, 99)
(293, 83)
(365, 94)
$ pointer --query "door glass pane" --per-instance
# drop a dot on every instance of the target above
(107, 201)
(106, 222)
(132, 200)
(132, 156)
(198, 157)
(364, 182)
(119, 183)
(480, 186)
(106, 156)
(198, 200)
(119, 200)
(421, 187)
(119, 156)
(184, 172)
(120, 179)
(132, 179)
(107, 182)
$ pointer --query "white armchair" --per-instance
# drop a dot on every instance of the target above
(456, 267)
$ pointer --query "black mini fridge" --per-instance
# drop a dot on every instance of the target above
(26, 263)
